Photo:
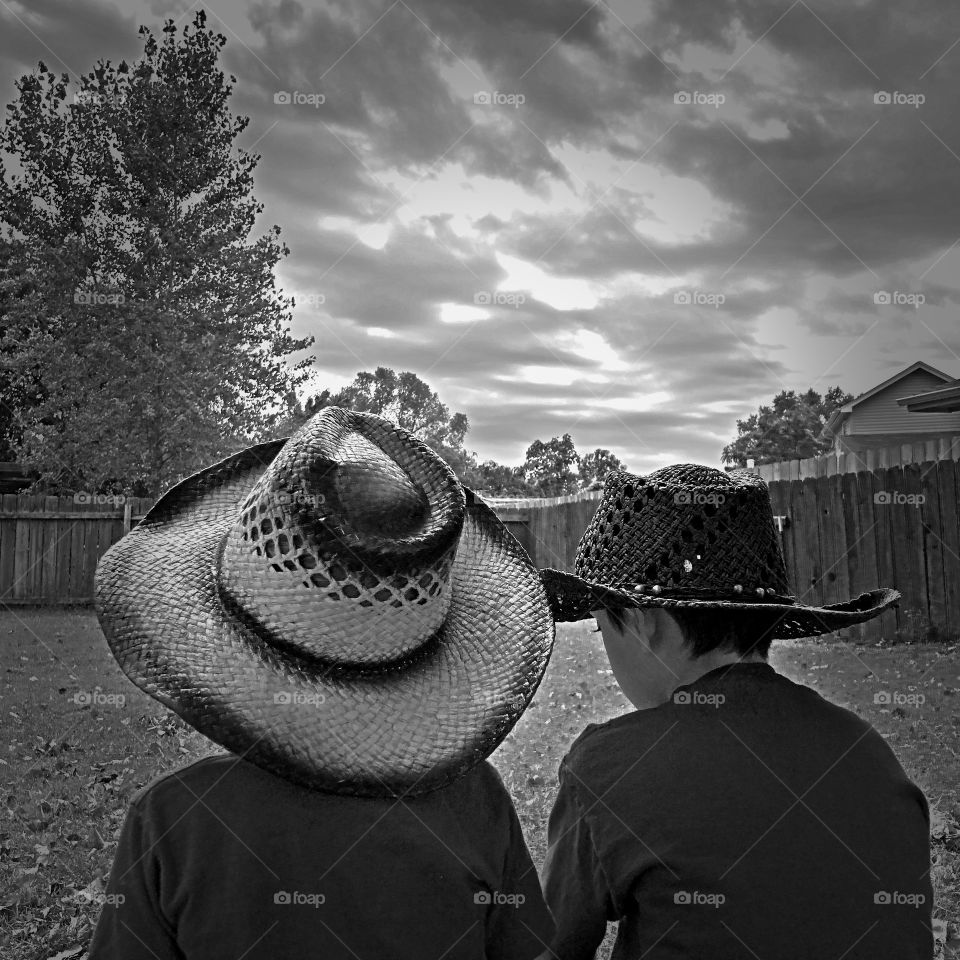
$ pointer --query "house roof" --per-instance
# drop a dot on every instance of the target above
(942, 400)
(841, 413)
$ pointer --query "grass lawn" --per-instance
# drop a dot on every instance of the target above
(79, 739)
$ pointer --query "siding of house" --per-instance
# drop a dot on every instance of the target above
(881, 414)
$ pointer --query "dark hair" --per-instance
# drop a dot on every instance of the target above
(706, 630)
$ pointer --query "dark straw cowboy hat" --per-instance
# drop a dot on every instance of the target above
(693, 537)
(334, 607)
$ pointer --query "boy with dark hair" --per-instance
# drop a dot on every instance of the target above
(360, 633)
(734, 813)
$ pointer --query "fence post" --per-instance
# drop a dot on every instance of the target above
(127, 515)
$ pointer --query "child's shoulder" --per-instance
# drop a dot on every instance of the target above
(606, 744)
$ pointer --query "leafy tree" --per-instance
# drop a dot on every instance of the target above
(17, 391)
(152, 314)
(595, 466)
(409, 402)
(550, 468)
(791, 428)
(497, 480)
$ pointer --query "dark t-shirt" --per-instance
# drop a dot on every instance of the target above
(221, 859)
(747, 817)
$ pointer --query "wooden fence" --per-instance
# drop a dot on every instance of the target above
(50, 546)
(841, 534)
(828, 465)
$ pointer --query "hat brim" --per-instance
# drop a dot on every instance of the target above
(572, 598)
(402, 730)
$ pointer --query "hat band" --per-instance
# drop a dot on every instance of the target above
(732, 595)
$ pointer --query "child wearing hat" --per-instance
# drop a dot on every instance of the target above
(360, 633)
(733, 813)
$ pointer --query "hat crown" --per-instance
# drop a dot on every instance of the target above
(344, 546)
(687, 527)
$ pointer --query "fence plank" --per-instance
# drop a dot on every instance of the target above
(947, 489)
(884, 540)
(861, 545)
(805, 537)
(829, 534)
(931, 545)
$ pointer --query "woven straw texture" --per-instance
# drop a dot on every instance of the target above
(387, 645)
(692, 536)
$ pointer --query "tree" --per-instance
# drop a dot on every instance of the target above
(790, 429)
(497, 480)
(550, 467)
(410, 403)
(595, 466)
(151, 313)
(17, 391)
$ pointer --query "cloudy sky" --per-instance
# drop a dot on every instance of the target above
(631, 221)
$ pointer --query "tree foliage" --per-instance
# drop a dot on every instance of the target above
(790, 428)
(151, 314)
(595, 466)
(552, 468)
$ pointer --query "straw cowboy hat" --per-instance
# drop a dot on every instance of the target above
(334, 607)
(692, 537)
